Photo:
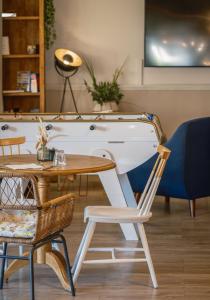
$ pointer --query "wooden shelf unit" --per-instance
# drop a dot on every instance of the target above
(27, 28)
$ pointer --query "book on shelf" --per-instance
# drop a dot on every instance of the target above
(23, 80)
(34, 83)
(28, 81)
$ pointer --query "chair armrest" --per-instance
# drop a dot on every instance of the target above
(53, 216)
(57, 201)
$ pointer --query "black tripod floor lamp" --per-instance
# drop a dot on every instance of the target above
(67, 64)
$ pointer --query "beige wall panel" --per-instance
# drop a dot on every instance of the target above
(107, 32)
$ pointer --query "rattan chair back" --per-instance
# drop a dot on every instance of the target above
(13, 195)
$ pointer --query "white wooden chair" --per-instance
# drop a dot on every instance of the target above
(138, 216)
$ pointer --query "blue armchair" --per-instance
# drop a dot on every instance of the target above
(187, 174)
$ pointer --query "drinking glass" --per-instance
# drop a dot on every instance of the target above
(59, 158)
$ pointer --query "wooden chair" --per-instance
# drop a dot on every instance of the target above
(25, 221)
(138, 216)
(10, 146)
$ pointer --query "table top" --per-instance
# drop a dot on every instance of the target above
(75, 164)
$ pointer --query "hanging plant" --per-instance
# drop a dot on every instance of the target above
(50, 33)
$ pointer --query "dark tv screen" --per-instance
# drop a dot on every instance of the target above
(177, 33)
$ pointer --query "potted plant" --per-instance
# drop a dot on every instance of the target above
(106, 94)
(43, 153)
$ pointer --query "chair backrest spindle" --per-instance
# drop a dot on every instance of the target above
(148, 183)
(152, 184)
(10, 143)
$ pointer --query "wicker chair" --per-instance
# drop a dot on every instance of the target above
(26, 221)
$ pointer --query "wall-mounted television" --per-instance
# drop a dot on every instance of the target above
(177, 33)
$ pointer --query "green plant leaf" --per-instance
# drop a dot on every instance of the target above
(49, 22)
(104, 91)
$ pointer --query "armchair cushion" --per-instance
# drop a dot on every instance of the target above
(17, 224)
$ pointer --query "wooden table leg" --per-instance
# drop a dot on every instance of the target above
(56, 261)
(15, 266)
(43, 186)
(46, 255)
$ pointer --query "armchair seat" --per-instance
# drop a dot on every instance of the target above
(109, 214)
(17, 225)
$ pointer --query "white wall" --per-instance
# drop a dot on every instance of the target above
(107, 32)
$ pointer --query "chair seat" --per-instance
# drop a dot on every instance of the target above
(109, 214)
(21, 225)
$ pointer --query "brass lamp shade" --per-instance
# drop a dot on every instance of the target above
(67, 60)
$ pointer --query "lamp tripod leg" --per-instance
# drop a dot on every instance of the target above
(63, 97)
(72, 94)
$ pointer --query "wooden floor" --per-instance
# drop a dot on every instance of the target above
(180, 247)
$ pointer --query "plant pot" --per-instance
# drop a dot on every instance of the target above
(114, 106)
(105, 107)
(96, 107)
(45, 154)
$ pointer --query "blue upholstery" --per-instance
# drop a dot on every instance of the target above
(187, 172)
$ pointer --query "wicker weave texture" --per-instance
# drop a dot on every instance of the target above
(19, 192)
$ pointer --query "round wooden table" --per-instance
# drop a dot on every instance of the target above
(75, 164)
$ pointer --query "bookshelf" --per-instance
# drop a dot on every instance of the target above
(26, 28)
